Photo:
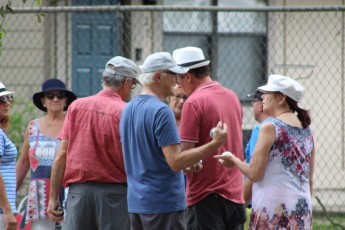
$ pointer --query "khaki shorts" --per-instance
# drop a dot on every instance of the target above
(246, 224)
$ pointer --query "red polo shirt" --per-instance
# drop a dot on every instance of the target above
(204, 108)
(94, 149)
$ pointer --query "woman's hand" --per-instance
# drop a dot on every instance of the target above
(10, 221)
(226, 159)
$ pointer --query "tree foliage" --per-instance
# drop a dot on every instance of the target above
(7, 8)
(25, 112)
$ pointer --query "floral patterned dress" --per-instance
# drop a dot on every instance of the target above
(281, 200)
(41, 154)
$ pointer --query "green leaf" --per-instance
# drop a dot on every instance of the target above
(2, 32)
(9, 9)
(24, 1)
(39, 19)
(2, 11)
(38, 2)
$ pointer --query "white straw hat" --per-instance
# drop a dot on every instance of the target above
(190, 57)
(4, 91)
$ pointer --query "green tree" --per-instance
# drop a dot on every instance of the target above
(19, 121)
(7, 8)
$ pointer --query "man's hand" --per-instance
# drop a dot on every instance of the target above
(220, 133)
(195, 168)
(54, 213)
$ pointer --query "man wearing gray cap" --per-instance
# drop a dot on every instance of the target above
(150, 141)
(89, 160)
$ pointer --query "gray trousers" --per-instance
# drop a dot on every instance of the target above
(161, 221)
(97, 206)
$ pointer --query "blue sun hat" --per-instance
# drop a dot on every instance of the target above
(52, 85)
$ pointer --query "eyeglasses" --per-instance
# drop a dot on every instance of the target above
(51, 96)
(134, 83)
(255, 100)
(169, 72)
(180, 97)
(5, 99)
(179, 76)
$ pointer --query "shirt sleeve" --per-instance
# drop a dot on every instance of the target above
(2, 143)
(190, 123)
(64, 133)
(253, 139)
(166, 129)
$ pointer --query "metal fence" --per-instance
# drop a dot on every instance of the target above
(244, 45)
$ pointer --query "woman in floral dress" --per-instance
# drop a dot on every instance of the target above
(283, 161)
(39, 149)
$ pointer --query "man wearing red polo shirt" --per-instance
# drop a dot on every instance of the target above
(214, 194)
(90, 159)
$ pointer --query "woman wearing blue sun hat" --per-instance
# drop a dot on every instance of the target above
(39, 149)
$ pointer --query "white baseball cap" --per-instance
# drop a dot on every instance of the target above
(4, 91)
(190, 57)
(161, 61)
(284, 85)
(122, 67)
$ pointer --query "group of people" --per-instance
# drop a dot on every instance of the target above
(37, 155)
(151, 163)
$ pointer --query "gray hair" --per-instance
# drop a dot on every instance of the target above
(114, 81)
(147, 78)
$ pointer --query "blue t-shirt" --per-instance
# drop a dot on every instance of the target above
(248, 152)
(8, 156)
(146, 125)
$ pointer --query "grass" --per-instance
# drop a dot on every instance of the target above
(327, 220)
(321, 222)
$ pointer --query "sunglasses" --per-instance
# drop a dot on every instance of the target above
(51, 96)
(170, 73)
(180, 97)
(255, 100)
(5, 99)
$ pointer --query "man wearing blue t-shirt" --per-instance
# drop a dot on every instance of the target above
(151, 149)
(261, 117)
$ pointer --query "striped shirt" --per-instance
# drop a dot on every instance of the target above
(8, 156)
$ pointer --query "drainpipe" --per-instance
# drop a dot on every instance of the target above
(213, 40)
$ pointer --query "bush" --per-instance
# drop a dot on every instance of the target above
(24, 112)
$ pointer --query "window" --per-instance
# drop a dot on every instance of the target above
(237, 44)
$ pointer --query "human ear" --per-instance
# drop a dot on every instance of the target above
(188, 76)
(157, 76)
(282, 98)
(128, 81)
(261, 107)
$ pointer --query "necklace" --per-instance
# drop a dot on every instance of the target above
(287, 111)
